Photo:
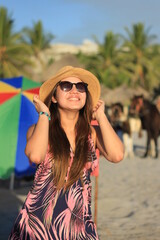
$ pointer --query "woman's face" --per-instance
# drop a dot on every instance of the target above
(72, 100)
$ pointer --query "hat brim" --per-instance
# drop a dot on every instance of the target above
(68, 71)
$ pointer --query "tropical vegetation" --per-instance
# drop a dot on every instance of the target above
(37, 39)
(13, 53)
(133, 59)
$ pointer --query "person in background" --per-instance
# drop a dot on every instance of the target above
(62, 144)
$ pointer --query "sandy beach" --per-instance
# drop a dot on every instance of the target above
(128, 199)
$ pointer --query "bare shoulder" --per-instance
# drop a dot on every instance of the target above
(30, 131)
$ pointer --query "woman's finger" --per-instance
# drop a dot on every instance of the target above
(35, 98)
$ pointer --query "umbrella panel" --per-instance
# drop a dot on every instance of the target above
(17, 113)
(9, 115)
(28, 116)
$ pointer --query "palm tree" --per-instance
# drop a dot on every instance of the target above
(139, 56)
(90, 62)
(107, 64)
(108, 50)
(37, 39)
(13, 53)
(112, 71)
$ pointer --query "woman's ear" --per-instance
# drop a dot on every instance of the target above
(54, 100)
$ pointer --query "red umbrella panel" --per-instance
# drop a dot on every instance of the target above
(17, 114)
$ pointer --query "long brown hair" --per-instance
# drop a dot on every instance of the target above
(60, 146)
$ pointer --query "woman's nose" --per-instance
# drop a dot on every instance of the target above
(74, 89)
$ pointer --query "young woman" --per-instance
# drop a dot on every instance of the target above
(62, 144)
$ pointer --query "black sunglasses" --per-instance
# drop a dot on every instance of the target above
(67, 86)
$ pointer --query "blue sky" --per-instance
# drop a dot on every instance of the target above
(72, 21)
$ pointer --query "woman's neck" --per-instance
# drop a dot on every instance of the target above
(68, 123)
(69, 120)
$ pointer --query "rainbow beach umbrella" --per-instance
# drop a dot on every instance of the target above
(17, 113)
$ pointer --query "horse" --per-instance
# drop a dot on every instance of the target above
(118, 119)
(150, 119)
(120, 123)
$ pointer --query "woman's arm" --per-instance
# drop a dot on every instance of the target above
(107, 140)
(37, 135)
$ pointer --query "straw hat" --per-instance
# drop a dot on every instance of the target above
(69, 71)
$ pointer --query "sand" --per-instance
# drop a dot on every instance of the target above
(128, 199)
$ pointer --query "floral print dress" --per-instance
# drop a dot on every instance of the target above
(51, 214)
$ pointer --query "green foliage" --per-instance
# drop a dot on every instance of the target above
(132, 60)
(13, 53)
(16, 49)
(139, 37)
(140, 57)
(91, 62)
(50, 61)
(108, 50)
(37, 38)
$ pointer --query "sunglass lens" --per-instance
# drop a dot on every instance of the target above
(66, 86)
(81, 87)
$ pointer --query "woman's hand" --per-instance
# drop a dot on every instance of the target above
(39, 105)
(107, 140)
(98, 110)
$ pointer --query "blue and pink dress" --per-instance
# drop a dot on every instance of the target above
(50, 214)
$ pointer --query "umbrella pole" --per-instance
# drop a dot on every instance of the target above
(11, 185)
(96, 200)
